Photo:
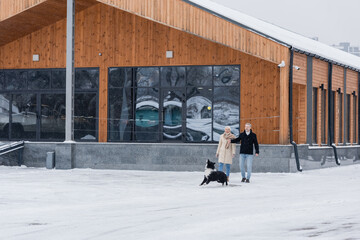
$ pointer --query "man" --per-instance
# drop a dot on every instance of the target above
(248, 139)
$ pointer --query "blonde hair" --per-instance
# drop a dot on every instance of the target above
(228, 127)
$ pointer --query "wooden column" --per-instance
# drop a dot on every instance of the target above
(284, 137)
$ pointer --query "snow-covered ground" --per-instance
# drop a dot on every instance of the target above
(112, 204)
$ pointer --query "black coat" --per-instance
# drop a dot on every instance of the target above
(247, 142)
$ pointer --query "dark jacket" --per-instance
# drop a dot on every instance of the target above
(247, 142)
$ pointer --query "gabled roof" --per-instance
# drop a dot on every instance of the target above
(280, 35)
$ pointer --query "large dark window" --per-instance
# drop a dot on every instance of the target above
(33, 104)
(192, 104)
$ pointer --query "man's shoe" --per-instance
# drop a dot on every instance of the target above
(243, 179)
(247, 180)
(228, 179)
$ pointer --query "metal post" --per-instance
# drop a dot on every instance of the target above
(292, 142)
(70, 29)
(309, 96)
(345, 111)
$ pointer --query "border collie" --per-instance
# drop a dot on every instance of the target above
(212, 175)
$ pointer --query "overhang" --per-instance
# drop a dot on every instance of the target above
(37, 17)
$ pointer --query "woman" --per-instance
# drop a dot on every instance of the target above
(226, 150)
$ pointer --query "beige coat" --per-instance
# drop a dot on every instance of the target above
(225, 155)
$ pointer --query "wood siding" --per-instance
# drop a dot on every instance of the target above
(337, 78)
(299, 113)
(9, 8)
(351, 81)
(188, 18)
(299, 76)
(124, 39)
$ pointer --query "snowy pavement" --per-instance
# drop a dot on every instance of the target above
(113, 204)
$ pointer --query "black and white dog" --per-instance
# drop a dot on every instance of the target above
(212, 175)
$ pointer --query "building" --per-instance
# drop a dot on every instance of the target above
(345, 46)
(157, 81)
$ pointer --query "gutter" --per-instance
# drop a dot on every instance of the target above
(330, 111)
(298, 166)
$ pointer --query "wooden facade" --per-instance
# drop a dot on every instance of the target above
(138, 33)
(124, 39)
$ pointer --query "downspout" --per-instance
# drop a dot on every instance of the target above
(330, 109)
(298, 166)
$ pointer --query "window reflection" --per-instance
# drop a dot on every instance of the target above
(226, 110)
(172, 114)
(120, 77)
(2, 80)
(173, 76)
(85, 116)
(186, 92)
(147, 114)
(4, 115)
(198, 114)
(52, 116)
(120, 114)
(226, 75)
(24, 116)
(39, 79)
(86, 78)
(147, 77)
(199, 76)
(15, 80)
(58, 80)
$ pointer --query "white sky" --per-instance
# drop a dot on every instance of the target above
(332, 21)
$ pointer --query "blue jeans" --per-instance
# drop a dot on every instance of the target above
(249, 159)
(221, 165)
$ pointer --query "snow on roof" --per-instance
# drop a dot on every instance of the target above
(279, 34)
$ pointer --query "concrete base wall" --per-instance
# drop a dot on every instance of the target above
(179, 156)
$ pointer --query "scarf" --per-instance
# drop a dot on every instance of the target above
(228, 136)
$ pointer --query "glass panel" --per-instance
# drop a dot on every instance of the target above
(172, 114)
(2, 80)
(15, 80)
(198, 114)
(120, 77)
(120, 114)
(226, 110)
(85, 116)
(173, 76)
(199, 76)
(340, 116)
(39, 79)
(226, 75)
(24, 116)
(147, 77)
(86, 78)
(4, 115)
(52, 125)
(323, 116)
(147, 114)
(58, 80)
(314, 115)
